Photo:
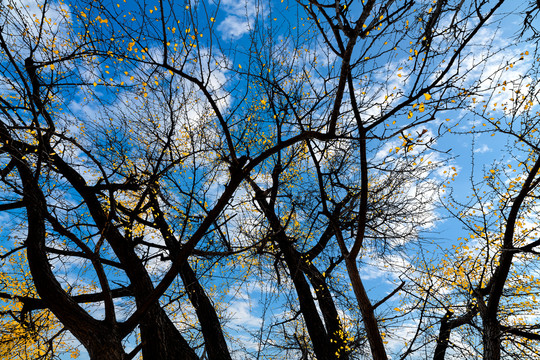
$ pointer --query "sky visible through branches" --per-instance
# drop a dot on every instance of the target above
(268, 179)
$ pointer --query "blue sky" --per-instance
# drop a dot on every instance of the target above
(386, 76)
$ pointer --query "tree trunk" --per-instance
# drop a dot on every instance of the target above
(315, 327)
(328, 309)
(322, 346)
(370, 322)
(215, 343)
(491, 339)
(444, 337)
(161, 339)
(106, 346)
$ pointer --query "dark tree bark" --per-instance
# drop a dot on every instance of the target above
(445, 330)
(215, 343)
(325, 344)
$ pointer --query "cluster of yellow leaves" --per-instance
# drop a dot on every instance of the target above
(26, 337)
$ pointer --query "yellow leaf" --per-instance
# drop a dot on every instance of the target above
(410, 115)
(427, 96)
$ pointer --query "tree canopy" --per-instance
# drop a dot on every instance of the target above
(269, 180)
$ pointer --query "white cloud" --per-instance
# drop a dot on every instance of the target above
(242, 314)
(240, 18)
(482, 149)
(234, 26)
(29, 14)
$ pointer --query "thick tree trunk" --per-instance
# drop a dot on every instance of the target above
(106, 346)
(100, 338)
(322, 347)
(447, 325)
(331, 318)
(491, 339)
(104, 352)
(161, 339)
(215, 343)
(368, 315)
